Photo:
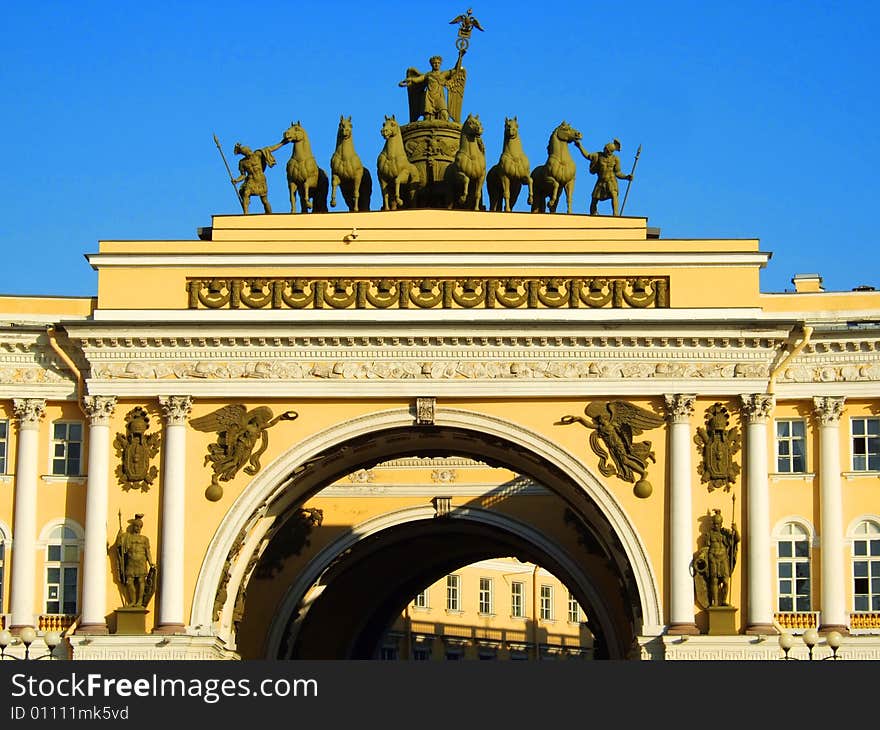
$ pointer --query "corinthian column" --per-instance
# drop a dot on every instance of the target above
(175, 408)
(94, 589)
(29, 412)
(827, 413)
(756, 411)
(679, 409)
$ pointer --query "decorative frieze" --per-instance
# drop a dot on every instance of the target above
(429, 293)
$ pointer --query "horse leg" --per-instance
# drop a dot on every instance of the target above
(356, 189)
(305, 198)
(554, 195)
(505, 193)
(531, 193)
(465, 181)
(569, 193)
(334, 185)
(478, 192)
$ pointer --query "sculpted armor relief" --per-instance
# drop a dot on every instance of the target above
(718, 444)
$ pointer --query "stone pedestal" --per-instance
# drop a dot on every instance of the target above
(131, 620)
(722, 620)
(431, 145)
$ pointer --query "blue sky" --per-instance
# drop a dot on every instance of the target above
(756, 120)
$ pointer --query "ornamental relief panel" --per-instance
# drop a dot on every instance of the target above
(426, 370)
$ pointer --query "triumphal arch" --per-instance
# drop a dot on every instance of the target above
(315, 415)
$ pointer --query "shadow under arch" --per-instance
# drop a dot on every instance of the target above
(363, 442)
(406, 550)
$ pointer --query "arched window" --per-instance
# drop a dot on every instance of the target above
(62, 570)
(866, 566)
(793, 568)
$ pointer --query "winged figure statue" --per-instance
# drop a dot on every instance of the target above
(615, 424)
(238, 433)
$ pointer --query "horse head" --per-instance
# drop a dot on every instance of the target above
(566, 133)
(295, 132)
(472, 125)
(344, 130)
(511, 127)
(390, 127)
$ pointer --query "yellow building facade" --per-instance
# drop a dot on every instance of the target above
(416, 383)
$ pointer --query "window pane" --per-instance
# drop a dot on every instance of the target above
(59, 431)
(858, 426)
(784, 448)
(785, 549)
(54, 553)
(783, 428)
(798, 428)
(52, 607)
(860, 603)
(802, 549)
(803, 586)
(873, 426)
(875, 547)
(53, 592)
(860, 547)
(860, 569)
(785, 586)
(859, 463)
(785, 570)
(71, 553)
(802, 570)
(803, 603)
(861, 585)
(785, 603)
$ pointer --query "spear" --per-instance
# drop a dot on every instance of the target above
(231, 177)
(633, 172)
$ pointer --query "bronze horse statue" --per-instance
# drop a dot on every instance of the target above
(396, 173)
(505, 179)
(467, 172)
(348, 173)
(557, 174)
(304, 177)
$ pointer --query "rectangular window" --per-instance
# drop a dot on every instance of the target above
(453, 593)
(547, 603)
(486, 596)
(574, 610)
(791, 447)
(865, 444)
(4, 440)
(421, 599)
(67, 438)
(517, 599)
(421, 654)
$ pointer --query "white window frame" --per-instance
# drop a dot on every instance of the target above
(792, 532)
(546, 602)
(517, 599)
(869, 439)
(4, 446)
(575, 612)
(63, 445)
(57, 591)
(486, 605)
(453, 593)
(790, 439)
(420, 600)
(866, 530)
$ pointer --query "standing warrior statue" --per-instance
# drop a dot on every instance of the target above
(137, 572)
(252, 167)
(606, 166)
(714, 563)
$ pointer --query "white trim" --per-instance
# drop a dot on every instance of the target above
(273, 481)
(43, 539)
(459, 261)
(385, 317)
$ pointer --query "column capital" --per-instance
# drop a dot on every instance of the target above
(99, 408)
(757, 407)
(29, 411)
(679, 406)
(827, 410)
(175, 408)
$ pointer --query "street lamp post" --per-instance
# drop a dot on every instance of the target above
(27, 636)
(811, 638)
